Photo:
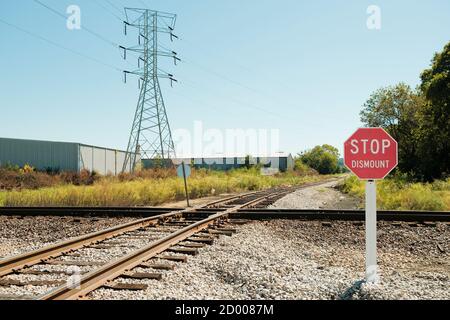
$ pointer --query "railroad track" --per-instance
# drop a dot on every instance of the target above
(154, 243)
(164, 238)
(341, 214)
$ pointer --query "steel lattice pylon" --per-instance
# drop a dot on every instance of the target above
(150, 133)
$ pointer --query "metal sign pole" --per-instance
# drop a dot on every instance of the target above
(371, 232)
(185, 184)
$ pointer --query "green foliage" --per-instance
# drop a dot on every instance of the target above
(324, 159)
(400, 194)
(418, 119)
(301, 168)
(396, 109)
(434, 129)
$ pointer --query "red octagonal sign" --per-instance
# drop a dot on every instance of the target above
(370, 153)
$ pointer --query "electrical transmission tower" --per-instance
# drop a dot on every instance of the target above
(150, 133)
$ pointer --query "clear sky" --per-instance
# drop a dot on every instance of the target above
(304, 67)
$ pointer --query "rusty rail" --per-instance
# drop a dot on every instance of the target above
(99, 277)
(10, 265)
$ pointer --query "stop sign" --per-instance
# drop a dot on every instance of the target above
(370, 153)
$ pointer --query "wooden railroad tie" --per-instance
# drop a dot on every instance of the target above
(192, 245)
(233, 230)
(36, 283)
(157, 266)
(142, 275)
(174, 258)
(125, 286)
(238, 221)
(220, 232)
(207, 234)
(189, 251)
(205, 240)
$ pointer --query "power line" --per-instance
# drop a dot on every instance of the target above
(115, 7)
(194, 86)
(143, 3)
(112, 43)
(61, 15)
(219, 75)
(59, 45)
(108, 10)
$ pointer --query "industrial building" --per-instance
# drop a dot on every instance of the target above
(62, 156)
(279, 162)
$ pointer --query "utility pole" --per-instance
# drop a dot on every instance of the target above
(150, 132)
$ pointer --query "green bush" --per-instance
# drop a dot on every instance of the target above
(324, 159)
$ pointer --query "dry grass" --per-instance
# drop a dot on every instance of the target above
(151, 189)
(27, 178)
(397, 194)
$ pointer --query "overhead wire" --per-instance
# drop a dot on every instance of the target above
(193, 85)
(96, 34)
(53, 43)
(115, 7)
(61, 15)
(228, 79)
(108, 10)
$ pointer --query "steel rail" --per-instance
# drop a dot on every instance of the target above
(28, 259)
(83, 211)
(10, 265)
(353, 215)
(99, 277)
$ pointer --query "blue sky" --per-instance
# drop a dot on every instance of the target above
(304, 67)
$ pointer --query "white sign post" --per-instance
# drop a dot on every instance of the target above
(371, 153)
(371, 232)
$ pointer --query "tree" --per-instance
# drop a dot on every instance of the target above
(395, 109)
(434, 130)
(419, 120)
(324, 159)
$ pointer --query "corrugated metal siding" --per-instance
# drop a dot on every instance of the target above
(99, 160)
(86, 158)
(103, 161)
(110, 162)
(120, 160)
(43, 155)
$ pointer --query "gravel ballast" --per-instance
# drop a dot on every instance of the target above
(323, 196)
(305, 260)
(22, 234)
(276, 259)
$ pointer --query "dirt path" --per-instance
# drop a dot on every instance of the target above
(324, 196)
